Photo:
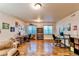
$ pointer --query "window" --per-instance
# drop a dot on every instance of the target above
(48, 30)
(31, 29)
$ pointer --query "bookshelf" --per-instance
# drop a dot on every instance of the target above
(72, 44)
(40, 35)
(76, 45)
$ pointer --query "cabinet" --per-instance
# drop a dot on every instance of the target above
(72, 44)
(76, 45)
(40, 35)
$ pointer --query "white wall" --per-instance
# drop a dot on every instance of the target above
(73, 20)
(5, 33)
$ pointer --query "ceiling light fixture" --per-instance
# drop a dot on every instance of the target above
(37, 5)
(38, 20)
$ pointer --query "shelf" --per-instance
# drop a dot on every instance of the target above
(71, 39)
(75, 44)
(40, 34)
(40, 30)
(76, 51)
(76, 41)
(76, 47)
(72, 44)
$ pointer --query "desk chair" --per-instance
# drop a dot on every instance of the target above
(57, 40)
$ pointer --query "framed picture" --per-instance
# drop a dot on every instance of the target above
(75, 27)
(12, 29)
(69, 27)
(5, 26)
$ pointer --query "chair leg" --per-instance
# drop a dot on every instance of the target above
(55, 43)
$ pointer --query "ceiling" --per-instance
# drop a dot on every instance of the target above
(50, 12)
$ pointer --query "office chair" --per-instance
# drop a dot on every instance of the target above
(57, 40)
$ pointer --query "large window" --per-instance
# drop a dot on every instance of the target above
(48, 30)
(31, 29)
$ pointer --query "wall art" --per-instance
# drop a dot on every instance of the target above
(12, 29)
(5, 26)
(69, 27)
(75, 27)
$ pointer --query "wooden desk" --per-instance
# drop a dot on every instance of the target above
(65, 39)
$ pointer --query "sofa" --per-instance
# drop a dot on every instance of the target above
(8, 48)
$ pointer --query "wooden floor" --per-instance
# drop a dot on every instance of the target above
(43, 48)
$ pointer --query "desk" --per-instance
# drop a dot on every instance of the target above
(65, 40)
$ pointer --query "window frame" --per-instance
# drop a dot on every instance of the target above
(48, 30)
(32, 30)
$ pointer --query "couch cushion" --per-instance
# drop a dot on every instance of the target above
(15, 44)
(5, 44)
(12, 52)
(4, 52)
